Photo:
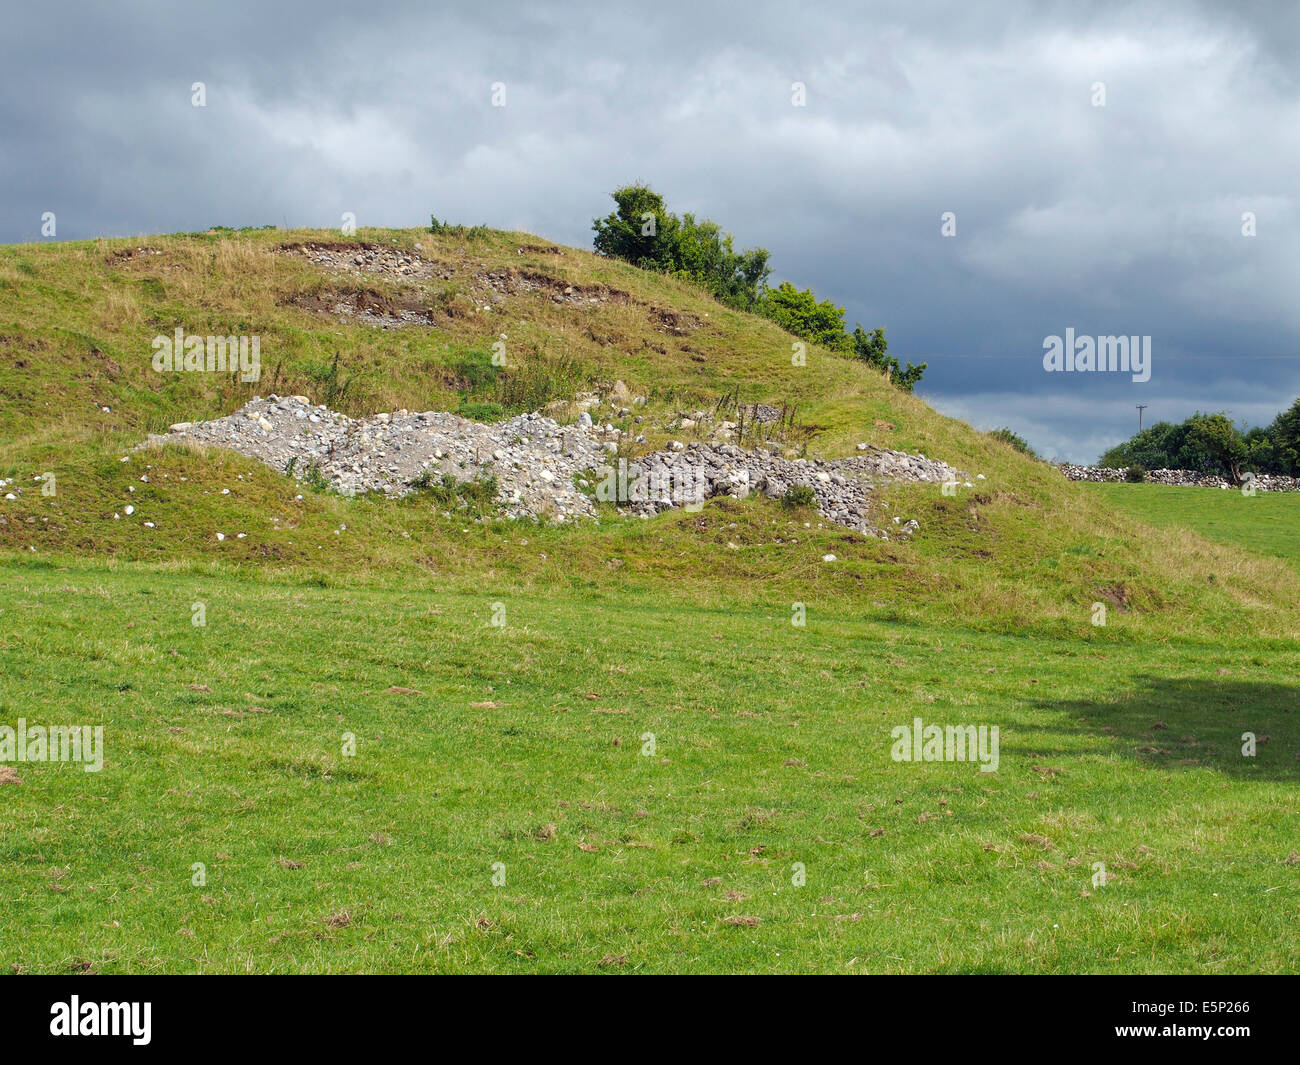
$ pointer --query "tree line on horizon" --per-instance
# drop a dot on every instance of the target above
(642, 231)
(1211, 443)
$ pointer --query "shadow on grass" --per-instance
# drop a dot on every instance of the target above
(1182, 722)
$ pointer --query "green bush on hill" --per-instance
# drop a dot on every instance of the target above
(646, 234)
(803, 315)
(1007, 436)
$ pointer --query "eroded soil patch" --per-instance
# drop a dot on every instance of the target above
(380, 310)
(513, 282)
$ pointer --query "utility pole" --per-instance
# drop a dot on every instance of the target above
(1141, 407)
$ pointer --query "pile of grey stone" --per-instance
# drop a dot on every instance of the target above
(542, 469)
(534, 459)
(686, 476)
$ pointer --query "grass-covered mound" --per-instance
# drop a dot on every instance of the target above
(1021, 548)
(368, 736)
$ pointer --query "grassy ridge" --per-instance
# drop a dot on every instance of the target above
(1022, 548)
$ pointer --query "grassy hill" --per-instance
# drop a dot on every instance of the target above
(522, 744)
(1023, 548)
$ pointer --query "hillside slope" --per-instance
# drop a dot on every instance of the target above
(390, 320)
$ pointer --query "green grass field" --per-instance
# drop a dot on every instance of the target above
(645, 766)
(526, 745)
(1266, 524)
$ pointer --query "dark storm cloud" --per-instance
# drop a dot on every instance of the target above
(1123, 219)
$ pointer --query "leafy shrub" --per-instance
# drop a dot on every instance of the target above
(1017, 441)
(1215, 437)
(646, 234)
(799, 495)
(1284, 436)
(800, 313)
(643, 231)
(1135, 474)
(871, 347)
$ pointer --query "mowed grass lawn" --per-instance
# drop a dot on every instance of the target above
(1267, 523)
(522, 752)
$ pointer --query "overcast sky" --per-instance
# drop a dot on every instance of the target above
(1125, 218)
